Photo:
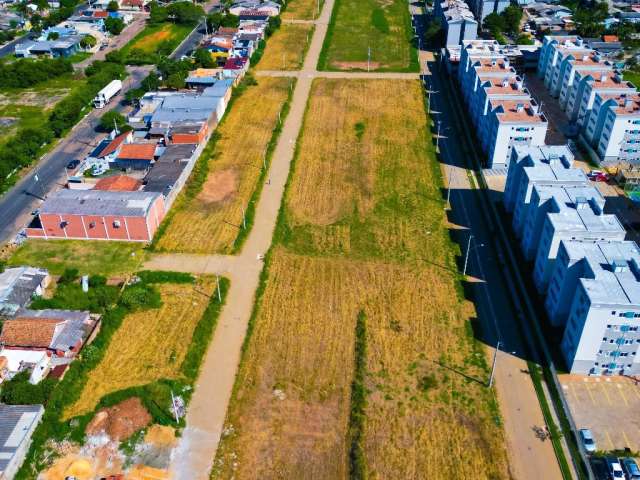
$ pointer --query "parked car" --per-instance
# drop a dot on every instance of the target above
(599, 468)
(631, 468)
(615, 470)
(587, 440)
(598, 176)
(73, 164)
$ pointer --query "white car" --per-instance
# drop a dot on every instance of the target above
(587, 440)
(615, 469)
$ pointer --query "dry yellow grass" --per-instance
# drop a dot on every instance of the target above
(302, 9)
(149, 345)
(209, 222)
(365, 231)
(287, 47)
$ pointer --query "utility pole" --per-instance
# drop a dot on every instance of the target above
(115, 126)
(466, 257)
(218, 285)
(449, 186)
(369, 58)
(244, 219)
(429, 92)
(283, 62)
(493, 367)
(438, 137)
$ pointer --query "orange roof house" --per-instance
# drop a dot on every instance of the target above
(118, 183)
(135, 155)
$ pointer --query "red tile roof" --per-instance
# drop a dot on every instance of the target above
(100, 14)
(610, 38)
(115, 143)
(26, 332)
(118, 183)
(137, 151)
(235, 63)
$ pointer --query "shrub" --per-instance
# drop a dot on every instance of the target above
(69, 275)
(148, 276)
(140, 296)
(18, 390)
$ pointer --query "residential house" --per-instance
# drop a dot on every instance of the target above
(118, 183)
(17, 424)
(235, 68)
(19, 285)
(266, 8)
(99, 215)
(62, 47)
(482, 8)
(202, 77)
(106, 152)
(135, 156)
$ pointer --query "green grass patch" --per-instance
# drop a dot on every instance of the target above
(89, 257)
(359, 25)
(80, 57)
(154, 40)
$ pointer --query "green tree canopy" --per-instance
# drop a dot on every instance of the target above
(88, 41)
(113, 6)
(111, 119)
(114, 25)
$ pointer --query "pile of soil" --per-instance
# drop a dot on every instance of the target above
(121, 420)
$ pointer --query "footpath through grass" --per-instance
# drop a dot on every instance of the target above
(362, 235)
(207, 217)
(379, 28)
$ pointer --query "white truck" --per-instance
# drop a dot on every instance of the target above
(107, 93)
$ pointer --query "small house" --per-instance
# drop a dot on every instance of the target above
(136, 156)
(19, 285)
(17, 424)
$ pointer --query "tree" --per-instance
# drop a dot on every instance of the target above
(115, 56)
(133, 95)
(494, 23)
(157, 14)
(88, 41)
(219, 19)
(114, 25)
(53, 36)
(589, 20)
(113, 6)
(176, 80)
(185, 13)
(204, 59)
(152, 82)
(512, 17)
(111, 119)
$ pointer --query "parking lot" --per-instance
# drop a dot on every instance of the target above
(608, 406)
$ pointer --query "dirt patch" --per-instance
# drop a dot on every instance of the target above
(120, 421)
(160, 436)
(220, 186)
(356, 65)
(142, 472)
(43, 100)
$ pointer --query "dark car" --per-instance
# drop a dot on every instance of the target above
(73, 164)
(599, 468)
(630, 467)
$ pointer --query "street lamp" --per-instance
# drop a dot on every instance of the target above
(493, 366)
(466, 257)
(429, 92)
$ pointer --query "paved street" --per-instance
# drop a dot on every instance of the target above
(17, 204)
(529, 457)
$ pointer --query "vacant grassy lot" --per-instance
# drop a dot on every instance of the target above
(384, 26)
(363, 231)
(210, 221)
(302, 9)
(149, 39)
(287, 47)
(149, 345)
(103, 258)
(26, 108)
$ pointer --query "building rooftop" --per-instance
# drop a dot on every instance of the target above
(516, 111)
(138, 151)
(17, 285)
(113, 145)
(621, 103)
(163, 176)
(177, 152)
(118, 183)
(578, 209)
(510, 85)
(16, 425)
(615, 270)
(96, 202)
(456, 10)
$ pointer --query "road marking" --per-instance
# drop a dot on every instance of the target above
(624, 397)
(593, 400)
(573, 391)
(606, 394)
(612, 447)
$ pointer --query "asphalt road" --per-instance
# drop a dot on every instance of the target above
(9, 48)
(196, 36)
(27, 195)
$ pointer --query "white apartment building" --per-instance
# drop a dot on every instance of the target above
(608, 83)
(555, 54)
(457, 20)
(501, 109)
(482, 8)
(595, 293)
(612, 126)
(531, 166)
(507, 124)
(579, 218)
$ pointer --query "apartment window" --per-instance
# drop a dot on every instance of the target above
(116, 224)
(613, 313)
(92, 224)
(604, 339)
